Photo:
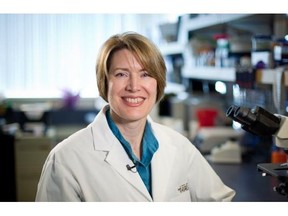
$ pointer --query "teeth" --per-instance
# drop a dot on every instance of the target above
(134, 100)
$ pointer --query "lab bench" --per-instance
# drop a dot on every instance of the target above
(248, 182)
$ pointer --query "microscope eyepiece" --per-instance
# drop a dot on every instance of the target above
(230, 112)
(257, 120)
(245, 115)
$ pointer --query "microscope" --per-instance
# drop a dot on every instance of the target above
(260, 122)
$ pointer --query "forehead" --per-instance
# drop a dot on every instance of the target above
(124, 58)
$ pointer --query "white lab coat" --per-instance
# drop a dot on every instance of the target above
(90, 165)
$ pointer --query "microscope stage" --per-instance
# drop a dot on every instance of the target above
(279, 170)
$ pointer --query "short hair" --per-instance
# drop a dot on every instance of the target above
(145, 51)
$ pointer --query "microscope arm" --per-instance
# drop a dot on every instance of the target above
(281, 136)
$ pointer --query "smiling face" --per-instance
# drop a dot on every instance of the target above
(132, 91)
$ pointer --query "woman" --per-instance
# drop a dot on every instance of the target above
(123, 155)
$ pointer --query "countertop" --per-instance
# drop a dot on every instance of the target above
(248, 182)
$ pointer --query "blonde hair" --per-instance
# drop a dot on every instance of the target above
(146, 51)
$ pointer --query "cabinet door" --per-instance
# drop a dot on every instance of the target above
(30, 155)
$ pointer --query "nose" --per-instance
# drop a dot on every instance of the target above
(133, 84)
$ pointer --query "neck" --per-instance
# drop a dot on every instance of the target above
(132, 132)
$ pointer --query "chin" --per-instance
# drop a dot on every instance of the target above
(135, 116)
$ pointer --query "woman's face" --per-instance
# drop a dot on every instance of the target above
(131, 90)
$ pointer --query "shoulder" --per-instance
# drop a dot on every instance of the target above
(74, 144)
(167, 132)
(168, 136)
(84, 138)
(83, 141)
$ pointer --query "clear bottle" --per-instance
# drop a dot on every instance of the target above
(222, 51)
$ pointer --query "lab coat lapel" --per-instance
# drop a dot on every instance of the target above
(162, 167)
(118, 158)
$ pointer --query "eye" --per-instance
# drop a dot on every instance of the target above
(145, 74)
(120, 74)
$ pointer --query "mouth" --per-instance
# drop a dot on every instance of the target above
(133, 101)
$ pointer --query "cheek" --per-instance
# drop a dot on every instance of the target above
(152, 88)
(114, 89)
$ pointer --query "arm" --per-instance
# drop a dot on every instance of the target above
(206, 185)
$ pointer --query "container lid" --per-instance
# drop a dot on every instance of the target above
(220, 36)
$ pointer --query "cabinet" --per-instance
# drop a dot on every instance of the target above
(30, 155)
(205, 25)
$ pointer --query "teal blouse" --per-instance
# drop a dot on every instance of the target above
(149, 147)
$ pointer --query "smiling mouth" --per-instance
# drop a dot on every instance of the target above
(134, 100)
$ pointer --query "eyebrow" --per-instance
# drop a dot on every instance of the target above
(126, 69)
(120, 68)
